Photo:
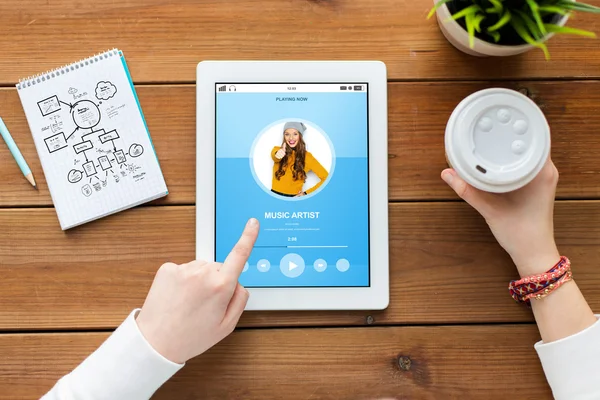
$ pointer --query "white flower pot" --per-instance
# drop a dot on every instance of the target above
(459, 37)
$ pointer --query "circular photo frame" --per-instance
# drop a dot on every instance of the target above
(270, 167)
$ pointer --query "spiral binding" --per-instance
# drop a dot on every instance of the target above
(65, 69)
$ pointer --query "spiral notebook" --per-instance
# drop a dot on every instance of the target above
(92, 139)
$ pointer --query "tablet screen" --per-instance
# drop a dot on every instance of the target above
(294, 156)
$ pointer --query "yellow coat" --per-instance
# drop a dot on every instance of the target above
(286, 184)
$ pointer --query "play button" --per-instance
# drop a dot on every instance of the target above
(291, 265)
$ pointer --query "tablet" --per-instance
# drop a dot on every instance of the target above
(302, 147)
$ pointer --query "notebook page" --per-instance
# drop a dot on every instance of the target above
(92, 140)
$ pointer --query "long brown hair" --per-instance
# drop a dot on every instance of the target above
(298, 167)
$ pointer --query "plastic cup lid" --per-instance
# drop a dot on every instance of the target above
(497, 140)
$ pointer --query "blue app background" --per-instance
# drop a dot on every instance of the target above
(342, 229)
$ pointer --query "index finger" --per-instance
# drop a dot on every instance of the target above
(234, 263)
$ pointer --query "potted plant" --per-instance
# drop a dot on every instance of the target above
(506, 27)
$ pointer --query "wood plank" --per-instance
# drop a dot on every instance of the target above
(471, 362)
(163, 41)
(417, 117)
(445, 267)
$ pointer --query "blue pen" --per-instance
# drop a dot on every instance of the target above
(12, 146)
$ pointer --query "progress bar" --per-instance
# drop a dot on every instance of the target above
(316, 247)
(301, 247)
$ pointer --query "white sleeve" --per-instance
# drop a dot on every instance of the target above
(572, 364)
(124, 367)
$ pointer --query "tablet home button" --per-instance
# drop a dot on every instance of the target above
(292, 265)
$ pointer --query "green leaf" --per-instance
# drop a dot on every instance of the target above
(530, 25)
(536, 16)
(477, 22)
(436, 6)
(470, 29)
(519, 26)
(495, 35)
(571, 31)
(554, 10)
(570, 5)
(498, 6)
(503, 21)
(471, 10)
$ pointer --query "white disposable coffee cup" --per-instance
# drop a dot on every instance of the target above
(497, 140)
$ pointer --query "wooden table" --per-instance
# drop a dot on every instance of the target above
(451, 330)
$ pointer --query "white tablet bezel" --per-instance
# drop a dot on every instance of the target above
(374, 297)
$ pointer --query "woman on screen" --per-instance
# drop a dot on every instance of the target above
(292, 162)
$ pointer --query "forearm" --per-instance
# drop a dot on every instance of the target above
(312, 189)
(570, 361)
(125, 366)
(322, 175)
(570, 347)
(565, 311)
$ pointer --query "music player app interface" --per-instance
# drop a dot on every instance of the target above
(295, 157)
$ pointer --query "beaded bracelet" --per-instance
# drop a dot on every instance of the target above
(559, 269)
(551, 288)
(541, 285)
(539, 282)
